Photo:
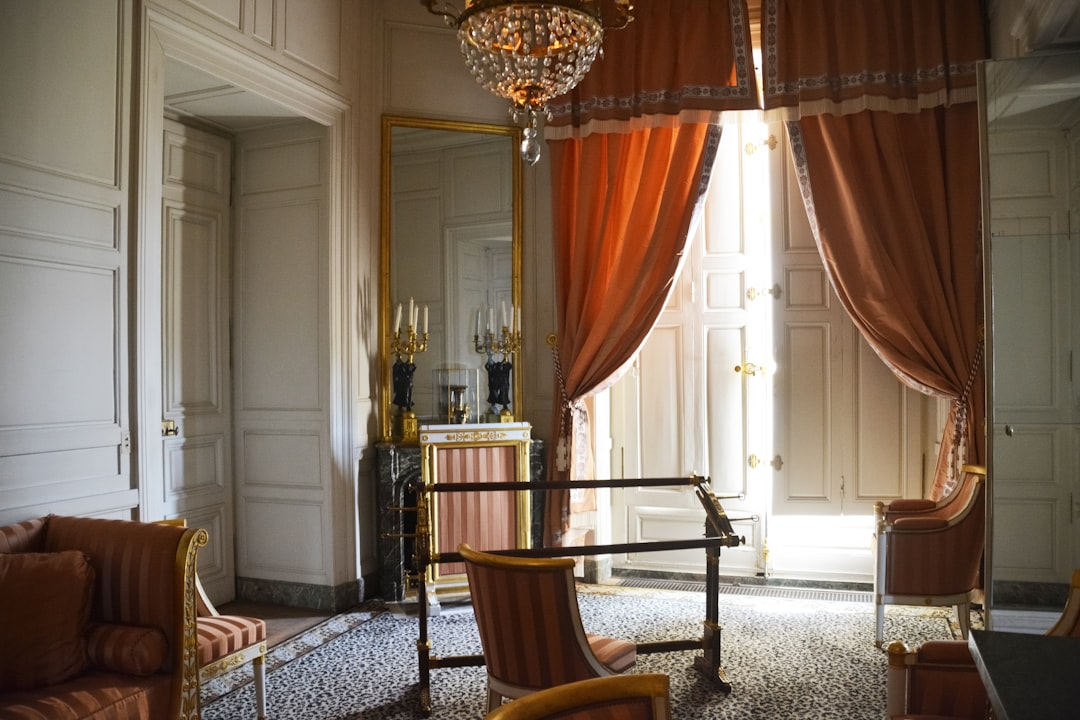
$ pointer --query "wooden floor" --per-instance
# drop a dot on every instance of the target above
(282, 622)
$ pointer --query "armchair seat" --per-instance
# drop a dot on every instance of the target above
(616, 697)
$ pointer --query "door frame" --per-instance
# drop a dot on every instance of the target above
(165, 37)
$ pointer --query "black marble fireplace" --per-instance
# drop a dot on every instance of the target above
(398, 471)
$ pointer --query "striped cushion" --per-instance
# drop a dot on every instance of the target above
(616, 655)
(222, 635)
(27, 536)
(127, 649)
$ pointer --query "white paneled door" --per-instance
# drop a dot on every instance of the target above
(1036, 439)
(196, 415)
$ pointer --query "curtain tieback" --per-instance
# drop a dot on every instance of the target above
(961, 406)
(562, 448)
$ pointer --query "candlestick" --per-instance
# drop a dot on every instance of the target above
(425, 319)
(397, 319)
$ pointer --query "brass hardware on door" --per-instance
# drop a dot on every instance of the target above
(754, 293)
(777, 462)
(753, 461)
(169, 428)
(749, 369)
(771, 143)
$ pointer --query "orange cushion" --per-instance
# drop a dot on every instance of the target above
(616, 655)
(222, 635)
(128, 649)
(45, 601)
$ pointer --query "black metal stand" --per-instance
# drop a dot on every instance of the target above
(718, 533)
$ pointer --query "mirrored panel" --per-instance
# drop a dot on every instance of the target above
(451, 251)
(1032, 192)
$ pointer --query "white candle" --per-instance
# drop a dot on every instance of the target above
(478, 323)
(397, 319)
(425, 319)
(504, 314)
(491, 319)
(412, 314)
(513, 317)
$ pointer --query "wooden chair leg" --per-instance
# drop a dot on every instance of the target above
(963, 615)
(879, 623)
(494, 699)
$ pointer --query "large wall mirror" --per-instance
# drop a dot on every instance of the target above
(1032, 211)
(451, 244)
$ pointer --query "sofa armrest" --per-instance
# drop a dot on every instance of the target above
(145, 576)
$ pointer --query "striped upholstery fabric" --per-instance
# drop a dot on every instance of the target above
(222, 635)
(917, 564)
(135, 565)
(139, 570)
(614, 654)
(97, 695)
(944, 681)
(27, 536)
(530, 627)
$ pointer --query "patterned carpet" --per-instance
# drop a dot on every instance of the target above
(812, 659)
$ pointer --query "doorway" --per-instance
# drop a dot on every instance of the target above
(755, 377)
(184, 77)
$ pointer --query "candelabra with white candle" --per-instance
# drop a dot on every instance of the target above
(404, 348)
(490, 342)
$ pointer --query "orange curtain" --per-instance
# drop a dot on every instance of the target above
(885, 131)
(631, 149)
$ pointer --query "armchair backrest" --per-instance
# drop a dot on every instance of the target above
(937, 679)
(616, 697)
(529, 621)
(1068, 625)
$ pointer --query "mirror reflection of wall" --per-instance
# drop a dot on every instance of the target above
(452, 250)
(1033, 152)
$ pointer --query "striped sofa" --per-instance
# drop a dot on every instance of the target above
(99, 620)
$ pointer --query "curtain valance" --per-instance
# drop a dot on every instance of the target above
(841, 57)
(678, 61)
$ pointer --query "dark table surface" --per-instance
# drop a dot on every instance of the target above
(1029, 676)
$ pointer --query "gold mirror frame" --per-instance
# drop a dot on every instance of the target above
(386, 261)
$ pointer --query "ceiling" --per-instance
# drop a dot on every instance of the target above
(1037, 91)
(193, 93)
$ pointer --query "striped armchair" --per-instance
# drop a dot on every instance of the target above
(530, 626)
(135, 646)
(928, 553)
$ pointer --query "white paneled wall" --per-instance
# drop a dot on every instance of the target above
(64, 424)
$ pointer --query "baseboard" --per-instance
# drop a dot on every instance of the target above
(1014, 593)
(327, 598)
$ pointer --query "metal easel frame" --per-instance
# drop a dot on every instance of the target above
(718, 533)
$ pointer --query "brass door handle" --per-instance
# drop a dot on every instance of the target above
(749, 369)
(169, 428)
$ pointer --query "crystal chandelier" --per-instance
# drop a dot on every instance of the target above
(530, 52)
